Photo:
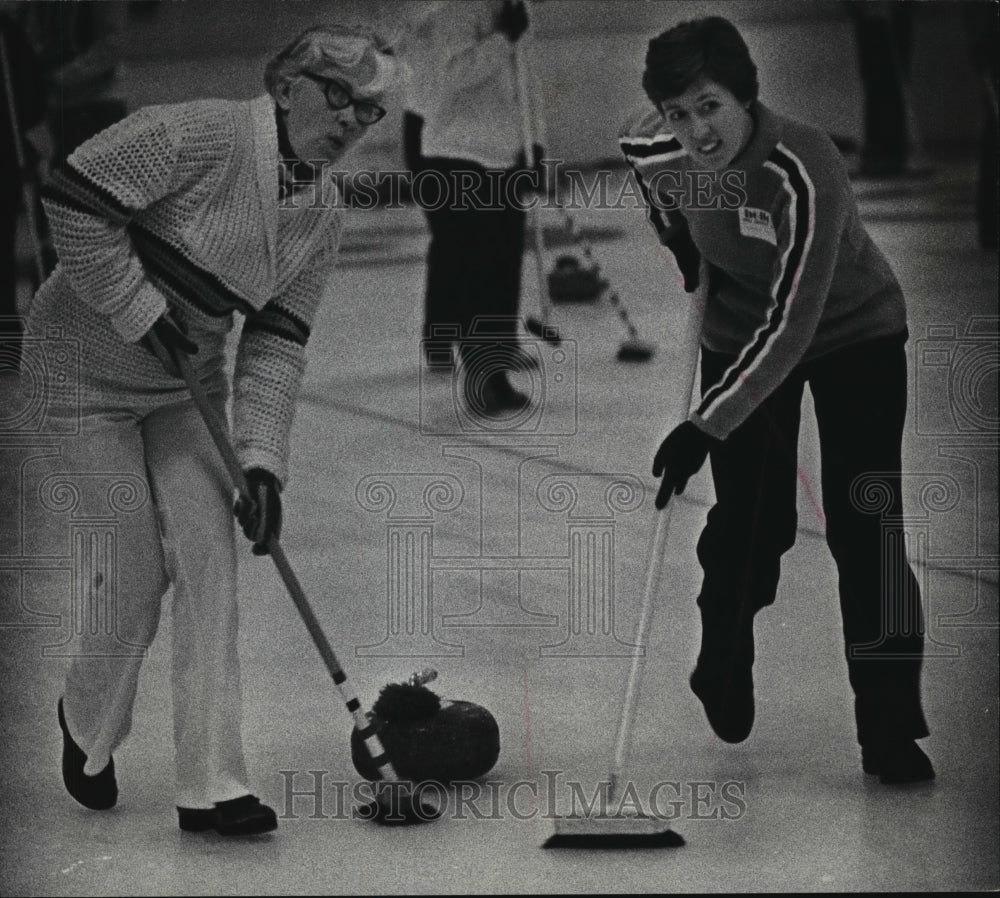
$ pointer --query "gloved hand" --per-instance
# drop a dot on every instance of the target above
(165, 338)
(512, 20)
(680, 455)
(259, 513)
(687, 257)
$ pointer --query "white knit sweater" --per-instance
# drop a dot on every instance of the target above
(178, 206)
(464, 83)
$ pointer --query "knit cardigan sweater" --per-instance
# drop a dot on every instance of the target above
(178, 206)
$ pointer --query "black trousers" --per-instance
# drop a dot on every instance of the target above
(477, 243)
(884, 46)
(859, 395)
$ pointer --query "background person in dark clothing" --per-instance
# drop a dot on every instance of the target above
(463, 124)
(22, 76)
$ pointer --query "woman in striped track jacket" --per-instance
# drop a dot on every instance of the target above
(797, 293)
(166, 224)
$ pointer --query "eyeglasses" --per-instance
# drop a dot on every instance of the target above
(338, 97)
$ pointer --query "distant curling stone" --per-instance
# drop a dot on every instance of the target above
(571, 282)
(427, 739)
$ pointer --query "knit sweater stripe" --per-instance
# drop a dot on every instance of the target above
(185, 281)
(802, 214)
(273, 319)
(164, 264)
(69, 187)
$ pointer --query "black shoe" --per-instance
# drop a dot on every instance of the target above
(98, 792)
(727, 698)
(243, 816)
(496, 398)
(897, 763)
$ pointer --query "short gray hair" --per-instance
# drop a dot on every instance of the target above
(323, 49)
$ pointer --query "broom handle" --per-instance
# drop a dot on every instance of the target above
(653, 568)
(220, 437)
(524, 104)
(576, 235)
(632, 687)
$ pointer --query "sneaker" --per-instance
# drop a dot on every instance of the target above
(897, 763)
(243, 816)
(727, 697)
(98, 792)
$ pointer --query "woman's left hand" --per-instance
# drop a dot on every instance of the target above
(680, 456)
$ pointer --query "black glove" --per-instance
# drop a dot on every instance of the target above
(260, 513)
(688, 258)
(512, 20)
(165, 339)
(680, 455)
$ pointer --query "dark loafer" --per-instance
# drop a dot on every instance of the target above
(98, 792)
(243, 816)
(897, 763)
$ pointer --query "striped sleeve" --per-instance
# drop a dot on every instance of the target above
(270, 362)
(647, 155)
(650, 156)
(809, 217)
(92, 200)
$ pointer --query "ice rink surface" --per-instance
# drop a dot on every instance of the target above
(425, 540)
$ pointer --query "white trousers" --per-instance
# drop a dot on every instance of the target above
(183, 536)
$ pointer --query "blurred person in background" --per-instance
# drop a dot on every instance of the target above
(982, 22)
(463, 121)
(25, 143)
(892, 146)
(79, 46)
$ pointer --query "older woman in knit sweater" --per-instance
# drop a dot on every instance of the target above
(166, 224)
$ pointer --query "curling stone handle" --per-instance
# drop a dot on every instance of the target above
(425, 676)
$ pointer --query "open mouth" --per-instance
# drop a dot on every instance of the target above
(706, 149)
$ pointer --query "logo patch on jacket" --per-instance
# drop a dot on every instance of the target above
(756, 223)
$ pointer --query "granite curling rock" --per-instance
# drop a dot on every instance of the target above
(571, 282)
(428, 739)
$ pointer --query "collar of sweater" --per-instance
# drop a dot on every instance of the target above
(292, 171)
(765, 137)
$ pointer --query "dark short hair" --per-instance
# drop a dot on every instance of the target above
(709, 47)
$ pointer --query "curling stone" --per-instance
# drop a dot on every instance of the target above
(571, 282)
(427, 738)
